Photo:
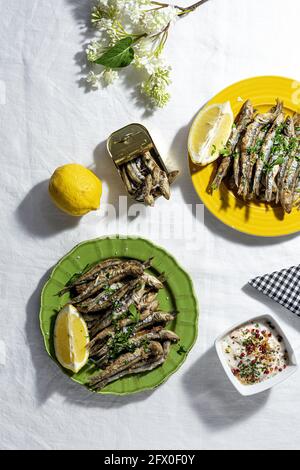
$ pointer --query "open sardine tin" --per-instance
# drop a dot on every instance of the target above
(130, 142)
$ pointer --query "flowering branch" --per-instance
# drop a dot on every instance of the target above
(134, 32)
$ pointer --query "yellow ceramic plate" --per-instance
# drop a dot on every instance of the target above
(260, 219)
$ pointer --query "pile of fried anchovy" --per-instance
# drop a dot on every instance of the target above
(118, 300)
(145, 181)
(262, 157)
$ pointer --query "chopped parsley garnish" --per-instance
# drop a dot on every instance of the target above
(268, 167)
(120, 343)
(134, 314)
(77, 275)
(225, 152)
(181, 350)
(213, 150)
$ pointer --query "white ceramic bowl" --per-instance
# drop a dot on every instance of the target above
(247, 390)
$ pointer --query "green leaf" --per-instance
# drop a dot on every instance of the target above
(77, 275)
(225, 152)
(279, 161)
(134, 313)
(181, 350)
(119, 56)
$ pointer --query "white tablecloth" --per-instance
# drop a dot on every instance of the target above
(48, 119)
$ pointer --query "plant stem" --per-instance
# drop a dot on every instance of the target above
(186, 11)
(183, 10)
(196, 5)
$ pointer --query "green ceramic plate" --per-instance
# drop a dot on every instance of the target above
(178, 295)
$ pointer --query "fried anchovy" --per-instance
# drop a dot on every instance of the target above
(98, 303)
(171, 178)
(265, 153)
(144, 194)
(254, 152)
(134, 173)
(102, 336)
(130, 188)
(152, 281)
(100, 350)
(297, 194)
(137, 170)
(126, 363)
(160, 176)
(92, 274)
(248, 144)
(164, 186)
(154, 318)
(146, 365)
(147, 299)
(149, 162)
(243, 119)
(147, 196)
(147, 320)
(292, 172)
(156, 172)
(136, 342)
(158, 357)
(141, 167)
(102, 297)
(289, 132)
(278, 158)
(236, 164)
(132, 297)
(120, 364)
(254, 156)
(106, 279)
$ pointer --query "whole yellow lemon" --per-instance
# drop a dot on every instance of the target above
(75, 189)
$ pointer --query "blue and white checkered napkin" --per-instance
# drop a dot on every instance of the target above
(282, 286)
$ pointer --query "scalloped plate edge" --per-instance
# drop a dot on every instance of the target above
(196, 327)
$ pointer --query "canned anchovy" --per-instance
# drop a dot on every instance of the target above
(140, 165)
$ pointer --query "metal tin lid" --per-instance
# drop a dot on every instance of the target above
(128, 142)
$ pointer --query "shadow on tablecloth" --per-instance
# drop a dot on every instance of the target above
(39, 216)
(49, 379)
(213, 397)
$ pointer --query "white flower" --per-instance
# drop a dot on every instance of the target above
(109, 76)
(134, 9)
(156, 87)
(171, 13)
(157, 20)
(94, 51)
(102, 4)
(117, 19)
(143, 47)
(93, 79)
(150, 63)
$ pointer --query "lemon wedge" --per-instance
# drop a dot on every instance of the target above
(210, 132)
(71, 338)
